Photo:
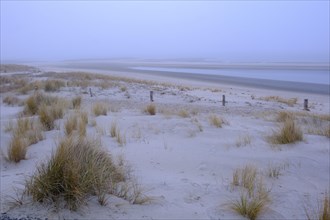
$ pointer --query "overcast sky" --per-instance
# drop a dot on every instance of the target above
(228, 30)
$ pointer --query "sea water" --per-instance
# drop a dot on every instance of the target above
(305, 76)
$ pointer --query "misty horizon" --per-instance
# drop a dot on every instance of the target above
(293, 31)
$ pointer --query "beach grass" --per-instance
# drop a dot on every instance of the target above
(78, 169)
(151, 109)
(288, 133)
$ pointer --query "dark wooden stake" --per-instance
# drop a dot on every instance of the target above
(306, 105)
(90, 92)
(223, 100)
(151, 96)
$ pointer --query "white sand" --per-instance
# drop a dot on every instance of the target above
(188, 172)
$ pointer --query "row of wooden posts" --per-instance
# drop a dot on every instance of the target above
(223, 99)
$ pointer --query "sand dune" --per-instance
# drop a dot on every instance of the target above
(183, 157)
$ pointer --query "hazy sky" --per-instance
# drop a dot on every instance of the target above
(229, 30)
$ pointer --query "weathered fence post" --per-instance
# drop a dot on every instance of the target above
(151, 96)
(90, 92)
(223, 100)
(306, 105)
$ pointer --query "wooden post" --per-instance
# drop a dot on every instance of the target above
(306, 105)
(90, 92)
(223, 100)
(151, 96)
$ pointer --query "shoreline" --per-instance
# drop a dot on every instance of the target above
(300, 87)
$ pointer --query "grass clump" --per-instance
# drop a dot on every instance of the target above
(284, 116)
(113, 129)
(53, 85)
(246, 178)
(288, 133)
(254, 197)
(76, 102)
(115, 133)
(321, 211)
(71, 124)
(250, 207)
(290, 102)
(99, 109)
(12, 100)
(48, 115)
(151, 109)
(17, 149)
(35, 101)
(78, 169)
(216, 121)
(183, 113)
(243, 140)
(26, 132)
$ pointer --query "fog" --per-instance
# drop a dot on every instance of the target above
(228, 31)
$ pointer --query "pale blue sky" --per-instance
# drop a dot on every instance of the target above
(229, 30)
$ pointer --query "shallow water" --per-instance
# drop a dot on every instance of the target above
(305, 76)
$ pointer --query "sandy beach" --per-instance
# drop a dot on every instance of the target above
(186, 156)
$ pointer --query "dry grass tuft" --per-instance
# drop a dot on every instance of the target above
(17, 149)
(151, 109)
(290, 102)
(284, 116)
(116, 133)
(35, 101)
(99, 109)
(216, 121)
(26, 132)
(113, 129)
(71, 124)
(288, 133)
(12, 100)
(78, 169)
(243, 140)
(183, 113)
(53, 85)
(250, 207)
(76, 102)
(254, 198)
(48, 115)
(246, 178)
(321, 211)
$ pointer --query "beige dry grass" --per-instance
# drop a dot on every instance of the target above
(76, 102)
(183, 113)
(249, 207)
(113, 129)
(288, 133)
(71, 124)
(26, 132)
(254, 196)
(49, 114)
(12, 100)
(290, 102)
(17, 149)
(100, 109)
(246, 177)
(243, 140)
(216, 121)
(78, 169)
(284, 116)
(52, 85)
(319, 210)
(150, 109)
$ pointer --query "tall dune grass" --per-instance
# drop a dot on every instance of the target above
(79, 168)
(25, 133)
(288, 133)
